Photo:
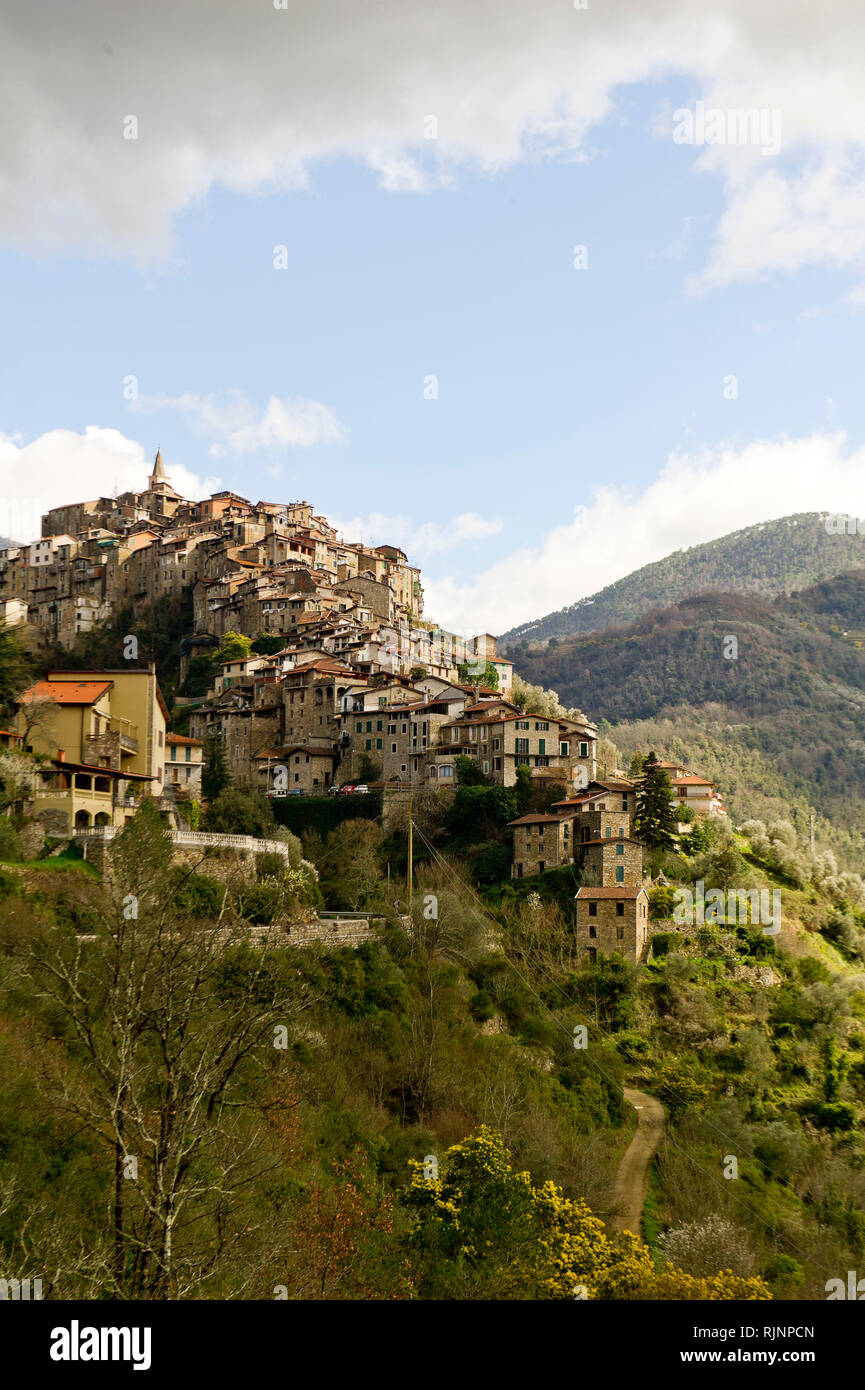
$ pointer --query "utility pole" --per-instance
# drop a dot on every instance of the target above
(410, 869)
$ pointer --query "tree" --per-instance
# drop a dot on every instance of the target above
(37, 716)
(349, 869)
(367, 770)
(237, 812)
(215, 776)
(468, 673)
(267, 644)
(654, 814)
(169, 1018)
(534, 699)
(18, 780)
(468, 771)
(236, 646)
(485, 1230)
(14, 668)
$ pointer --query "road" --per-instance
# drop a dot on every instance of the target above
(632, 1179)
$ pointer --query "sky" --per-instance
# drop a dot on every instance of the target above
(500, 283)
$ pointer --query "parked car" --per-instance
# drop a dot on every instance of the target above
(346, 788)
(334, 790)
(296, 791)
(361, 787)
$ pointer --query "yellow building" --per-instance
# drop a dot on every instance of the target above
(102, 736)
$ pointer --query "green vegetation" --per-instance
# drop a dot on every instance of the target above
(775, 557)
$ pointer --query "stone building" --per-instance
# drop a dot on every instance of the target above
(612, 919)
(541, 842)
(610, 861)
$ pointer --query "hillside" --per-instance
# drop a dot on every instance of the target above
(774, 557)
(785, 720)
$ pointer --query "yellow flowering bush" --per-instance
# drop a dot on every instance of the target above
(483, 1224)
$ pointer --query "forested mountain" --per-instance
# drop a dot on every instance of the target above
(782, 715)
(774, 557)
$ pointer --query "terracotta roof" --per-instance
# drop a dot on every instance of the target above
(626, 891)
(690, 780)
(66, 692)
(534, 820)
(181, 738)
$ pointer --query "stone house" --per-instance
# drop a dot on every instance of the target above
(305, 767)
(541, 842)
(612, 919)
(610, 861)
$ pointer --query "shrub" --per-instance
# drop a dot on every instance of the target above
(662, 942)
(269, 865)
(838, 1117)
(662, 901)
(701, 1247)
(10, 845)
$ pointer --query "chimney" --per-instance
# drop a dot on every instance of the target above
(61, 755)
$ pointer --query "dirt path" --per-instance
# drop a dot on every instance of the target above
(632, 1179)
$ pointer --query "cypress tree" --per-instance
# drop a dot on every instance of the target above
(655, 821)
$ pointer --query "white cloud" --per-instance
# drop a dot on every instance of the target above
(248, 97)
(696, 498)
(422, 541)
(236, 425)
(62, 467)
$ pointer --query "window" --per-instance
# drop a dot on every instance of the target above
(497, 743)
(620, 849)
(609, 831)
(486, 767)
(620, 933)
(519, 869)
(369, 726)
(542, 745)
(621, 832)
(593, 932)
(497, 764)
(593, 909)
(541, 866)
(625, 802)
(521, 724)
(378, 726)
(188, 754)
(620, 909)
(620, 873)
(522, 745)
(393, 748)
(378, 743)
(563, 749)
(541, 724)
(368, 744)
(584, 750)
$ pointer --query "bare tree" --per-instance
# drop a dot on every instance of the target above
(170, 1018)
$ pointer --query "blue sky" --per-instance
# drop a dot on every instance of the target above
(596, 391)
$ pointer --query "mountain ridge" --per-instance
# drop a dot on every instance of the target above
(770, 558)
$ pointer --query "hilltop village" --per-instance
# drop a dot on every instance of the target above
(355, 686)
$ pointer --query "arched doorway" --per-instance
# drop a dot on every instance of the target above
(102, 818)
(82, 820)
